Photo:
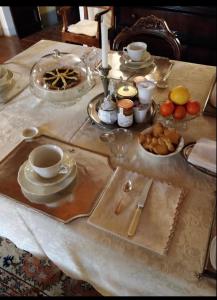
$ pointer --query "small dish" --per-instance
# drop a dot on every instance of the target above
(35, 179)
(144, 151)
(213, 253)
(30, 132)
(38, 190)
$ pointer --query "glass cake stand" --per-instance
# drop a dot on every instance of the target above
(60, 96)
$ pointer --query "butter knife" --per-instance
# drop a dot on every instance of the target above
(141, 203)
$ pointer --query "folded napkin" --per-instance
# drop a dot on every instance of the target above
(157, 221)
(203, 154)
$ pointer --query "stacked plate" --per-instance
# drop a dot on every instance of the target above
(45, 191)
(146, 62)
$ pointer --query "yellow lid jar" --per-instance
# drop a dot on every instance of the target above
(127, 90)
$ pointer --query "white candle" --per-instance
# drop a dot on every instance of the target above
(104, 38)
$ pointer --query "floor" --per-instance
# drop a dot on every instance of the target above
(10, 46)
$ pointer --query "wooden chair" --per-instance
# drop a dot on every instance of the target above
(155, 32)
(86, 31)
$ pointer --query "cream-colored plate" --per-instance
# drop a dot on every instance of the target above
(146, 62)
(213, 253)
(37, 190)
(55, 199)
(146, 57)
(35, 179)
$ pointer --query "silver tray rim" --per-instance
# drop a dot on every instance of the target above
(185, 153)
(92, 113)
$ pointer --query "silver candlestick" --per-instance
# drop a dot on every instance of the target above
(104, 77)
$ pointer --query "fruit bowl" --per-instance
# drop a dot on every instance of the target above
(170, 121)
(148, 131)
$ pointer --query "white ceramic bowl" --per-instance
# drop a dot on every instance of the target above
(144, 151)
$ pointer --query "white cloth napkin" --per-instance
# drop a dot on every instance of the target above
(203, 154)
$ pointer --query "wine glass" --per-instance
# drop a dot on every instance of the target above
(118, 141)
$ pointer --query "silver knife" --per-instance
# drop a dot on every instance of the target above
(141, 203)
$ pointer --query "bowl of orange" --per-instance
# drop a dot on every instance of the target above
(178, 108)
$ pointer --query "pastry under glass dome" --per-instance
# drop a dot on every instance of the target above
(60, 78)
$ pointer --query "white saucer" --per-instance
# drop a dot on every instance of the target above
(213, 253)
(37, 190)
(129, 63)
(35, 179)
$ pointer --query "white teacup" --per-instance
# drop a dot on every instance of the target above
(145, 91)
(47, 160)
(136, 50)
(140, 112)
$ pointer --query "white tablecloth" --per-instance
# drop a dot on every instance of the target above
(114, 266)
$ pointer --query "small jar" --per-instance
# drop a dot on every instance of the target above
(125, 112)
(127, 90)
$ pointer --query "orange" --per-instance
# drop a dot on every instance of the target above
(193, 107)
(167, 108)
(179, 112)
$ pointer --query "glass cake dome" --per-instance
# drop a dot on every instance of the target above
(60, 78)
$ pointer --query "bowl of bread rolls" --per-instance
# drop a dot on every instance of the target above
(160, 141)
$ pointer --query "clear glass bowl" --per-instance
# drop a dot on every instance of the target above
(63, 96)
(173, 123)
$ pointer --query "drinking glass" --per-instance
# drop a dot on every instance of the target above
(118, 141)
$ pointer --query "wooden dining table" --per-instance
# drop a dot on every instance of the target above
(114, 266)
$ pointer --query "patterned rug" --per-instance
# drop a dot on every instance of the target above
(22, 274)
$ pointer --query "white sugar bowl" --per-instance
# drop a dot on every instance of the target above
(108, 111)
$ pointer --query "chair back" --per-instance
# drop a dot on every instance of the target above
(91, 11)
(155, 33)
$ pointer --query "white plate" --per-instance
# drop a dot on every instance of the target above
(55, 199)
(143, 150)
(37, 190)
(126, 61)
(35, 179)
(212, 253)
(145, 58)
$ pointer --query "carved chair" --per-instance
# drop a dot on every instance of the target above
(155, 33)
(86, 31)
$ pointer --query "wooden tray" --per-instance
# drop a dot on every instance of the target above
(90, 180)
